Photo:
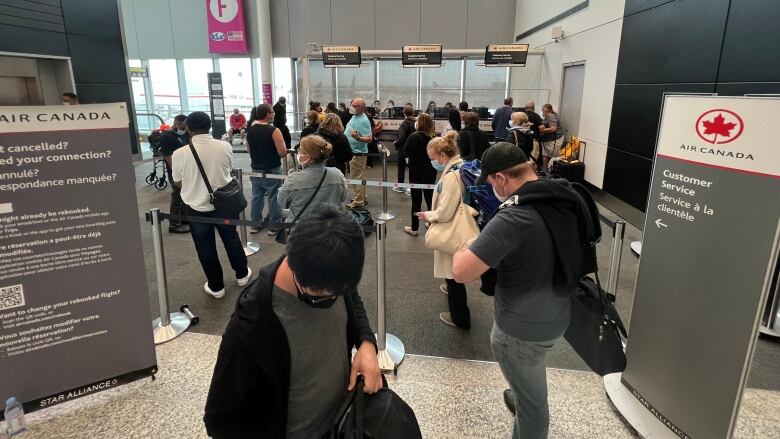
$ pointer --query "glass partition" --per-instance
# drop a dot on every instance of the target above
(441, 84)
(485, 86)
(283, 86)
(397, 83)
(354, 82)
(321, 83)
(196, 79)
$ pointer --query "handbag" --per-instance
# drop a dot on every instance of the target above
(383, 415)
(596, 331)
(284, 232)
(229, 200)
(450, 236)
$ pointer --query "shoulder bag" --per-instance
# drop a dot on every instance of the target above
(450, 236)
(284, 232)
(229, 200)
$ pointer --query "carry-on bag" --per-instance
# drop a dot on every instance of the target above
(596, 331)
(229, 200)
(366, 221)
(573, 171)
(383, 415)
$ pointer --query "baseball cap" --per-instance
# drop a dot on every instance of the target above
(498, 157)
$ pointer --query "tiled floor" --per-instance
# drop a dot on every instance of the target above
(451, 399)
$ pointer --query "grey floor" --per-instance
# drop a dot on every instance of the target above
(413, 297)
(453, 399)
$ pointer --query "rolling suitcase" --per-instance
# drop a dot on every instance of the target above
(573, 171)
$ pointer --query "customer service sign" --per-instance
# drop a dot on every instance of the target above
(709, 251)
(226, 26)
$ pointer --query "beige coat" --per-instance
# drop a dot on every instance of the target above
(446, 199)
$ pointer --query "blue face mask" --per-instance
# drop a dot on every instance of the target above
(437, 166)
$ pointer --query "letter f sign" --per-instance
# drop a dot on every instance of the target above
(223, 11)
(220, 7)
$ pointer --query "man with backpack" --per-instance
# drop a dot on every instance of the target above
(533, 241)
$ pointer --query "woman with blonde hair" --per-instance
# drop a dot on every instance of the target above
(520, 132)
(420, 169)
(447, 200)
(332, 131)
(315, 182)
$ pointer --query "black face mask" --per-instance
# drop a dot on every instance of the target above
(321, 302)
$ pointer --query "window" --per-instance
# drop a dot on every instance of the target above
(485, 86)
(354, 82)
(397, 83)
(196, 78)
(237, 84)
(165, 87)
(145, 123)
(321, 83)
(283, 86)
(441, 84)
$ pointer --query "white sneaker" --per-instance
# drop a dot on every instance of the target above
(408, 191)
(215, 294)
(408, 230)
(398, 189)
(245, 280)
(443, 288)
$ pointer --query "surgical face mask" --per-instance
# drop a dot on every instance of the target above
(437, 166)
(351, 110)
(181, 132)
(301, 161)
(500, 197)
(65, 103)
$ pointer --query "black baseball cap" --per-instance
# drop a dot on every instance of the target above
(498, 157)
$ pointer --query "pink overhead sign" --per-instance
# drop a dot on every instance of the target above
(226, 26)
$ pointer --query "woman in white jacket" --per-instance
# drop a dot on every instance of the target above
(447, 197)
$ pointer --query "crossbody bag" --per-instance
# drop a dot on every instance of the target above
(229, 200)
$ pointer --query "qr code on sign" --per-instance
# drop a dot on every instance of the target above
(11, 297)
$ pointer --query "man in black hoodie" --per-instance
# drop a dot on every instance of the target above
(283, 367)
(533, 243)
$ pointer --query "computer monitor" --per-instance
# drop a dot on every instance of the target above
(482, 111)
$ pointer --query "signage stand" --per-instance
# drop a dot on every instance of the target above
(706, 269)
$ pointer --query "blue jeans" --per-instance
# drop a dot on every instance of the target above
(206, 246)
(522, 363)
(260, 188)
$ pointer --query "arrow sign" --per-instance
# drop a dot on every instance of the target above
(659, 223)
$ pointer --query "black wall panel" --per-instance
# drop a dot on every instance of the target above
(627, 177)
(744, 88)
(97, 61)
(635, 114)
(88, 18)
(674, 43)
(636, 6)
(751, 47)
(27, 40)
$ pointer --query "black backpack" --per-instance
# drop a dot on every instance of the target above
(589, 228)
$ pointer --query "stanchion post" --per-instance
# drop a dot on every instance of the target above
(250, 247)
(169, 325)
(390, 348)
(616, 255)
(385, 214)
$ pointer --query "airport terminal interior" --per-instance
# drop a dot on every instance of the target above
(660, 110)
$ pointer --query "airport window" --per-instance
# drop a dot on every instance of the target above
(165, 88)
(237, 84)
(145, 124)
(353, 82)
(397, 83)
(283, 86)
(485, 86)
(321, 83)
(441, 84)
(196, 78)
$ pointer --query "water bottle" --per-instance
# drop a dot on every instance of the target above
(14, 418)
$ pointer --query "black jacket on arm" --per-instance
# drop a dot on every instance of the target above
(472, 142)
(404, 131)
(250, 388)
(420, 168)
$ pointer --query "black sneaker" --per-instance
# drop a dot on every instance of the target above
(179, 228)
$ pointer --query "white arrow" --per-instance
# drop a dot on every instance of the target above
(659, 223)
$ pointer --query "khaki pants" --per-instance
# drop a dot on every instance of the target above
(358, 172)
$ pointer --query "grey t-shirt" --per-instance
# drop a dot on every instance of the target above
(517, 244)
(319, 366)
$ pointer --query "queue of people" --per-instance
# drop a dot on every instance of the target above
(304, 308)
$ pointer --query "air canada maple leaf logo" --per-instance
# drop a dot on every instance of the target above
(719, 126)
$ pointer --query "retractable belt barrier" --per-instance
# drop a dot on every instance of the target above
(351, 181)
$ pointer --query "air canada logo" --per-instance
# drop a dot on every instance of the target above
(218, 36)
(719, 126)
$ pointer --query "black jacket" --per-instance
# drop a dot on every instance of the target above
(561, 209)
(535, 120)
(250, 387)
(404, 131)
(472, 142)
(420, 168)
(523, 138)
(280, 115)
(342, 152)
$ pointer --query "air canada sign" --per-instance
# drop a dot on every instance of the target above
(718, 127)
